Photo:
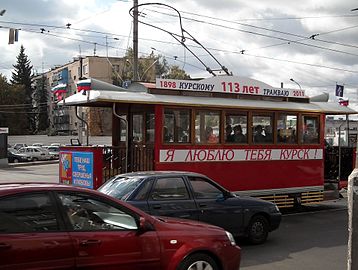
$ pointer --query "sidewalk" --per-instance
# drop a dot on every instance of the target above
(31, 163)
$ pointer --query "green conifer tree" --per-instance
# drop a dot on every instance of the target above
(22, 75)
(41, 104)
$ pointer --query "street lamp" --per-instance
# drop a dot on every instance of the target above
(292, 80)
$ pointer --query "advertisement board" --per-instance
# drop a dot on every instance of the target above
(76, 168)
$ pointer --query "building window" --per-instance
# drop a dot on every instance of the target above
(85, 69)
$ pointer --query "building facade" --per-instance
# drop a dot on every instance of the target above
(61, 83)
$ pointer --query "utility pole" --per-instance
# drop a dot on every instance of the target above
(135, 41)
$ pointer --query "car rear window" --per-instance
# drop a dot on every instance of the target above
(120, 188)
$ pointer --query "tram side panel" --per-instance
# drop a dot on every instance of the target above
(284, 176)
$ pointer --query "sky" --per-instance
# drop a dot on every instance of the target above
(313, 42)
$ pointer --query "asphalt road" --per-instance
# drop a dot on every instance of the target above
(30, 173)
(315, 239)
(311, 241)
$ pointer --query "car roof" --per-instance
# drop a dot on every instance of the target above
(14, 188)
(20, 187)
(162, 173)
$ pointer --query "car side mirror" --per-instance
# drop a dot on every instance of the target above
(221, 197)
(145, 225)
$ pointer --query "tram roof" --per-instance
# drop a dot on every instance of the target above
(105, 98)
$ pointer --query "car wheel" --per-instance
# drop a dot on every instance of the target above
(198, 261)
(35, 159)
(258, 230)
(15, 160)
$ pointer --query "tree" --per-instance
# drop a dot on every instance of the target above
(41, 105)
(12, 107)
(22, 75)
(175, 72)
(149, 67)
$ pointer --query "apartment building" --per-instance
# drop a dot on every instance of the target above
(63, 120)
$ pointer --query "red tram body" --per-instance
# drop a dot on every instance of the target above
(248, 136)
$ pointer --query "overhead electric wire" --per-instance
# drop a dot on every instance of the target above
(236, 52)
(269, 36)
(172, 43)
(306, 64)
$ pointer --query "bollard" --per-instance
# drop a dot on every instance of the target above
(352, 259)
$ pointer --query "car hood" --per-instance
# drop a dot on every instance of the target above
(248, 201)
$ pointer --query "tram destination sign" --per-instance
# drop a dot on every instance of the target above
(229, 85)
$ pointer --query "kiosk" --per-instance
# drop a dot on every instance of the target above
(4, 131)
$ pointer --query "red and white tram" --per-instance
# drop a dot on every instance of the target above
(246, 135)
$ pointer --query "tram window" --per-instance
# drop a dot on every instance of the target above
(236, 128)
(287, 128)
(137, 128)
(149, 127)
(262, 129)
(176, 126)
(207, 127)
(310, 129)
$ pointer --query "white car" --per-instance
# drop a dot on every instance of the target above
(38, 144)
(35, 152)
(53, 150)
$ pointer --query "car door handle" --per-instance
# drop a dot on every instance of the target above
(157, 206)
(90, 242)
(202, 204)
(51, 243)
(4, 246)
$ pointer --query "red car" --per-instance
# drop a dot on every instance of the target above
(49, 226)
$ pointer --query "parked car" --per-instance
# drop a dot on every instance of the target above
(38, 144)
(36, 153)
(194, 196)
(54, 151)
(47, 225)
(14, 157)
(56, 144)
(17, 146)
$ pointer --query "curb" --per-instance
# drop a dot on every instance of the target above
(32, 163)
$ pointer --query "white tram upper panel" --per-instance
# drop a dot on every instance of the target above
(219, 92)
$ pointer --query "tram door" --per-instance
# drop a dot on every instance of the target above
(141, 140)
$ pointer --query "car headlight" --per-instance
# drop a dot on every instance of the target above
(231, 238)
(274, 209)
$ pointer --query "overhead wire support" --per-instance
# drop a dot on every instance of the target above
(182, 38)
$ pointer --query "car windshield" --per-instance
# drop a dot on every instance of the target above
(121, 187)
(12, 152)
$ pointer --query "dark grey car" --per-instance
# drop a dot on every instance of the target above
(194, 196)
